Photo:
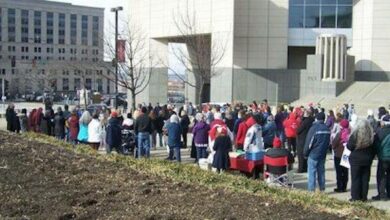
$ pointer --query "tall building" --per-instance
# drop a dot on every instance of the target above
(48, 45)
(273, 49)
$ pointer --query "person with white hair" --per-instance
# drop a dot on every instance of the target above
(174, 138)
(362, 154)
(200, 133)
(85, 119)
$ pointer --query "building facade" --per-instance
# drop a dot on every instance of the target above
(51, 46)
(271, 44)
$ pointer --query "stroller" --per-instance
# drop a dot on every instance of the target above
(128, 141)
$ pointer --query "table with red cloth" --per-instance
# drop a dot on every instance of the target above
(253, 167)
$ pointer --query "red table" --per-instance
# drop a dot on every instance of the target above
(247, 166)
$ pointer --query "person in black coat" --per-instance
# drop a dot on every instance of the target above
(362, 154)
(59, 124)
(114, 134)
(222, 147)
(184, 123)
(12, 119)
(302, 131)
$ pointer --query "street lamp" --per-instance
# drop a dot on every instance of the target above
(116, 10)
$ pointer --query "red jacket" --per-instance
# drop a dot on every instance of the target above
(242, 129)
(213, 128)
(291, 125)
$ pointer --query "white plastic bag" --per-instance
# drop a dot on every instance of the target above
(345, 158)
(210, 158)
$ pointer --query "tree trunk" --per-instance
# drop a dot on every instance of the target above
(85, 98)
(200, 98)
(133, 97)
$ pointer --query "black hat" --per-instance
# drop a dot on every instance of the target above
(320, 116)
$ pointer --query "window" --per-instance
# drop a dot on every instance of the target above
(49, 27)
(73, 29)
(84, 30)
(11, 25)
(61, 29)
(1, 26)
(88, 83)
(320, 14)
(99, 83)
(77, 84)
(95, 31)
(65, 84)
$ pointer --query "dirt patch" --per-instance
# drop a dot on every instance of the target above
(40, 181)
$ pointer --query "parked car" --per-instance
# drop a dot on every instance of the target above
(96, 108)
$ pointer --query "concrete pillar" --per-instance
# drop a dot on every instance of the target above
(334, 56)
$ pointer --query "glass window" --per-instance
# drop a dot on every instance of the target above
(345, 2)
(344, 17)
(296, 2)
(296, 19)
(328, 2)
(312, 2)
(312, 19)
(328, 16)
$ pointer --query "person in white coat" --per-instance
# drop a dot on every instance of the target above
(254, 138)
(94, 132)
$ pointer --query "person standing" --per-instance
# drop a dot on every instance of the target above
(269, 132)
(222, 147)
(73, 124)
(59, 124)
(11, 118)
(66, 116)
(94, 132)
(280, 117)
(143, 129)
(174, 138)
(302, 131)
(184, 123)
(85, 118)
(382, 144)
(338, 145)
(291, 125)
(114, 134)
(200, 134)
(362, 154)
(316, 146)
(46, 124)
(23, 121)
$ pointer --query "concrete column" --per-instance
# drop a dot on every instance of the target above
(334, 49)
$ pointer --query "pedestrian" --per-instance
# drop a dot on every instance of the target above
(269, 132)
(278, 152)
(229, 120)
(382, 144)
(85, 119)
(303, 129)
(154, 122)
(46, 125)
(291, 125)
(330, 119)
(338, 144)
(184, 123)
(31, 120)
(59, 124)
(73, 126)
(23, 121)
(362, 154)
(11, 117)
(67, 114)
(174, 138)
(143, 129)
(200, 134)
(316, 146)
(38, 116)
(94, 132)
(114, 134)
(371, 119)
(242, 130)
(222, 146)
(280, 117)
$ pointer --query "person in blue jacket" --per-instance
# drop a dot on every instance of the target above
(174, 138)
(269, 132)
(316, 146)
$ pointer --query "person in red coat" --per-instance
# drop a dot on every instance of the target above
(242, 130)
(291, 125)
(73, 124)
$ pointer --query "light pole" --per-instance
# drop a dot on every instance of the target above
(116, 10)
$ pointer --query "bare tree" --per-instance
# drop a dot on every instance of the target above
(203, 54)
(134, 72)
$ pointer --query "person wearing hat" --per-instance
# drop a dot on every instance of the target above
(222, 146)
(277, 152)
(316, 145)
(114, 134)
(382, 144)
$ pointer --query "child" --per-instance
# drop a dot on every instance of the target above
(222, 146)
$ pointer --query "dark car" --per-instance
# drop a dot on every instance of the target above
(97, 108)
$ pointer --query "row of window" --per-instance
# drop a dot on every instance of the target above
(50, 23)
(25, 49)
(26, 57)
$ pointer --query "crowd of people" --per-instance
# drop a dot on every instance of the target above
(306, 133)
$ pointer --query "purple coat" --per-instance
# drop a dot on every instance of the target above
(201, 134)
